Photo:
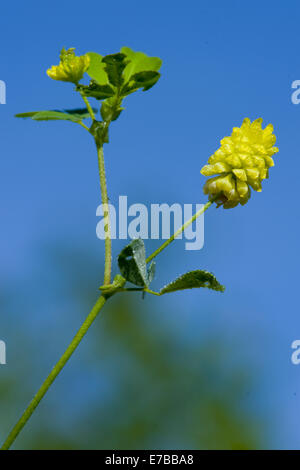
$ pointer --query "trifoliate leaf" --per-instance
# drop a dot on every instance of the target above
(120, 74)
(132, 264)
(74, 115)
(96, 68)
(193, 279)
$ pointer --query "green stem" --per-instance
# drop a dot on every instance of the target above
(107, 229)
(179, 231)
(89, 108)
(90, 318)
(54, 373)
(83, 125)
(152, 292)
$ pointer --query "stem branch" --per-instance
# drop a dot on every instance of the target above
(89, 108)
(179, 231)
(83, 125)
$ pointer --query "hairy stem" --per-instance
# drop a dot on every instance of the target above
(54, 373)
(105, 204)
(179, 231)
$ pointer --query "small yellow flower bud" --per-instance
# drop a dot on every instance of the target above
(242, 161)
(71, 67)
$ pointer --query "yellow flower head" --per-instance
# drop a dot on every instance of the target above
(243, 160)
(71, 67)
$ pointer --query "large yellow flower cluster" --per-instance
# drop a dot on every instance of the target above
(242, 161)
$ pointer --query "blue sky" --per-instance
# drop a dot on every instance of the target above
(222, 61)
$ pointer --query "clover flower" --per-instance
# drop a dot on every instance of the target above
(242, 161)
(71, 67)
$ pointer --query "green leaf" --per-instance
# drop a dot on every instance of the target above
(96, 69)
(93, 90)
(151, 272)
(114, 66)
(193, 279)
(74, 115)
(81, 113)
(132, 264)
(26, 115)
(139, 62)
(145, 80)
(127, 69)
(54, 115)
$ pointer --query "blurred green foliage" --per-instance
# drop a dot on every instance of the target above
(135, 383)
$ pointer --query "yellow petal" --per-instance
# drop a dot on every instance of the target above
(240, 174)
(242, 188)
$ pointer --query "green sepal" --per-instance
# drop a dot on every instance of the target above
(133, 266)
